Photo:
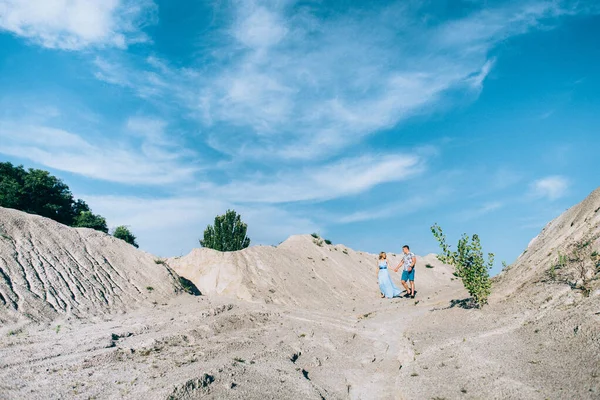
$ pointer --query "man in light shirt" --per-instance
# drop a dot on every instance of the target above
(408, 273)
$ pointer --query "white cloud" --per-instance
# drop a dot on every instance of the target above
(401, 207)
(480, 211)
(77, 24)
(115, 161)
(342, 178)
(185, 218)
(287, 84)
(259, 27)
(551, 187)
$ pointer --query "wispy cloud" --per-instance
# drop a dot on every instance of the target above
(345, 177)
(288, 84)
(399, 207)
(480, 211)
(551, 187)
(116, 161)
(77, 24)
(185, 218)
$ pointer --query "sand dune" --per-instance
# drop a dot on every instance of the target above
(302, 271)
(575, 234)
(49, 270)
(299, 320)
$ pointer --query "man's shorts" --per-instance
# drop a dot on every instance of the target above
(408, 276)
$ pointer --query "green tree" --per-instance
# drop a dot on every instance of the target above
(227, 234)
(37, 192)
(122, 232)
(47, 196)
(79, 206)
(11, 185)
(469, 264)
(87, 219)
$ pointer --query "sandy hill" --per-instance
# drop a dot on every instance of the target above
(300, 320)
(567, 251)
(303, 271)
(48, 269)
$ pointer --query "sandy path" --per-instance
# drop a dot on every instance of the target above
(348, 353)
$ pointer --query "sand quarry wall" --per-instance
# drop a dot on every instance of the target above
(574, 235)
(48, 269)
(302, 271)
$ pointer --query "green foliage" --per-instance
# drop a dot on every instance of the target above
(122, 232)
(469, 264)
(227, 234)
(87, 219)
(315, 235)
(37, 192)
(45, 195)
(428, 266)
(327, 241)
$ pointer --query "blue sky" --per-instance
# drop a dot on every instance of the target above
(366, 124)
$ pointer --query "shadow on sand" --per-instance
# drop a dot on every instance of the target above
(467, 303)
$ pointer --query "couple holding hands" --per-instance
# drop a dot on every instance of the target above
(386, 286)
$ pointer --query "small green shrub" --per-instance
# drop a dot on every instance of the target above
(469, 264)
(428, 266)
(159, 261)
(149, 288)
(124, 233)
(327, 241)
(227, 234)
(15, 332)
(552, 272)
(345, 251)
(315, 235)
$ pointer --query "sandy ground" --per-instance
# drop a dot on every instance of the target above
(301, 320)
(193, 347)
(219, 347)
(201, 347)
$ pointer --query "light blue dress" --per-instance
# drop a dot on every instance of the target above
(386, 285)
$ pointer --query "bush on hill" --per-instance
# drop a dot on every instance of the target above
(469, 264)
(227, 234)
(37, 192)
(122, 232)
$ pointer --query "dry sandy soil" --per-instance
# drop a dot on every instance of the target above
(301, 320)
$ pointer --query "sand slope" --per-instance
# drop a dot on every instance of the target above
(574, 235)
(48, 269)
(302, 271)
(304, 320)
(539, 338)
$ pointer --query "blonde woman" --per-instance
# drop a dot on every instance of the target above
(386, 286)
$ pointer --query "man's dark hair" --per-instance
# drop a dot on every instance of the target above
(406, 246)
